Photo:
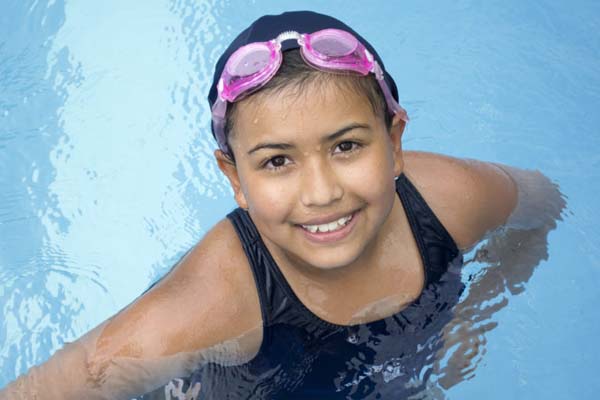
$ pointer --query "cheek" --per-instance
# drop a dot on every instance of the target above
(375, 189)
(269, 200)
(372, 178)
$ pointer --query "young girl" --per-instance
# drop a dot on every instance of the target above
(338, 271)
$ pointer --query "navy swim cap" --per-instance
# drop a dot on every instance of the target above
(268, 27)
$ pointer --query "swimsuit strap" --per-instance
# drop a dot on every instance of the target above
(436, 246)
(273, 301)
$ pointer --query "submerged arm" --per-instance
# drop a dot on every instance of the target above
(539, 201)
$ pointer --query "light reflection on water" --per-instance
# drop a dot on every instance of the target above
(98, 145)
(107, 175)
(38, 305)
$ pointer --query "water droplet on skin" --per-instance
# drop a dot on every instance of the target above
(352, 339)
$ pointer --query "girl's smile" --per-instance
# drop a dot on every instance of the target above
(321, 231)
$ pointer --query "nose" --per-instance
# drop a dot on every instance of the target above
(320, 185)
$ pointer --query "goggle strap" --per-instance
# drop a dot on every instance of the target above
(394, 107)
(219, 109)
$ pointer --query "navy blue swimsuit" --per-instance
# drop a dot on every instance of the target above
(305, 357)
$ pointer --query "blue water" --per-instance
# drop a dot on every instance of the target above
(107, 174)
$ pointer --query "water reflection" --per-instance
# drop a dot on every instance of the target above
(105, 162)
(198, 185)
(37, 306)
(501, 267)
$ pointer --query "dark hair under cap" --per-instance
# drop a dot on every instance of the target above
(268, 27)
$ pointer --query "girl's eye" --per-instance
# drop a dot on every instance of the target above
(276, 162)
(346, 147)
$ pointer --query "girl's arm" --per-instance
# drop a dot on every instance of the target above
(513, 210)
(206, 308)
(508, 259)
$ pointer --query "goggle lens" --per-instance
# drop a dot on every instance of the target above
(334, 45)
(249, 61)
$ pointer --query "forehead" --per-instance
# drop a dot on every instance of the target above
(294, 112)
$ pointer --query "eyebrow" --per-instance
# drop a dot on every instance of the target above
(329, 138)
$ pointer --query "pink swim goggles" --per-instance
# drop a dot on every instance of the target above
(253, 65)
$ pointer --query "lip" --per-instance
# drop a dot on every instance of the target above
(329, 237)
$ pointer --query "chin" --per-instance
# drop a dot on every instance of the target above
(330, 259)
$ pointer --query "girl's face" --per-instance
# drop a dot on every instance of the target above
(316, 172)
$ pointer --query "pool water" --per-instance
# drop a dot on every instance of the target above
(107, 175)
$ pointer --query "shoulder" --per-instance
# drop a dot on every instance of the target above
(469, 197)
(214, 289)
(209, 298)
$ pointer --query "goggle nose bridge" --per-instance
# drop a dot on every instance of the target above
(288, 35)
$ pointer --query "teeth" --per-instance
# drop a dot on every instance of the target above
(332, 226)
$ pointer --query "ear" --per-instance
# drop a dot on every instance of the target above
(228, 167)
(396, 131)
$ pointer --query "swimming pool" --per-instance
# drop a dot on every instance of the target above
(107, 172)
